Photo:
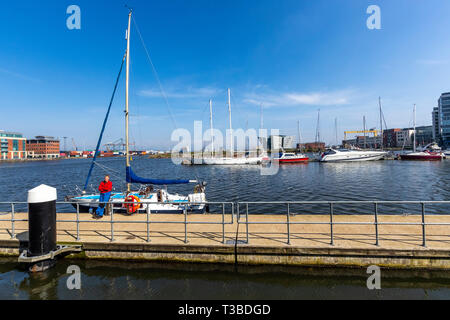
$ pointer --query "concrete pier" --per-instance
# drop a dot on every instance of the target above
(399, 246)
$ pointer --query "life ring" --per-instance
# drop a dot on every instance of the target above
(132, 203)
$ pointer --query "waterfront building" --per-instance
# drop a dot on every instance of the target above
(404, 138)
(311, 146)
(390, 137)
(44, 147)
(424, 135)
(364, 142)
(444, 118)
(12, 146)
(278, 142)
(436, 124)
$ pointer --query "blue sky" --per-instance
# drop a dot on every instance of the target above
(292, 56)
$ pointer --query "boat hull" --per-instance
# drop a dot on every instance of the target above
(86, 207)
(352, 159)
(296, 160)
(421, 157)
(194, 203)
(230, 161)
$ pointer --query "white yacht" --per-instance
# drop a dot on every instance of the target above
(337, 155)
(145, 199)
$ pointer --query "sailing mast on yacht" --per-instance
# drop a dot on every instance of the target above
(146, 199)
(422, 155)
(231, 128)
(211, 127)
(381, 123)
(127, 80)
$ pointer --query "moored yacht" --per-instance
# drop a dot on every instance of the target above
(337, 155)
(429, 154)
(144, 199)
(291, 157)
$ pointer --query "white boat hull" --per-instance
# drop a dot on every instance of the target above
(151, 203)
(353, 156)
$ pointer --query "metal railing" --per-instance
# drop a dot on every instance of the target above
(331, 212)
(242, 216)
(114, 210)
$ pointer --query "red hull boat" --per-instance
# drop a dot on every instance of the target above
(291, 158)
(428, 156)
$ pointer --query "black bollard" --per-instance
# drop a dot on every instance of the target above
(41, 224)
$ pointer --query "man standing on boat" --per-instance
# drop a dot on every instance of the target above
(105, 189)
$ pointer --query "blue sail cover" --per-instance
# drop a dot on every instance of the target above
(133, 178)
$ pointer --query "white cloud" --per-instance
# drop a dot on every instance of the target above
(287, 99)
(189, 93)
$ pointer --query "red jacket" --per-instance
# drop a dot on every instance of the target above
(105, 187)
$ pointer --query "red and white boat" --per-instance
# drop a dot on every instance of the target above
(421, 155)
(290, 157)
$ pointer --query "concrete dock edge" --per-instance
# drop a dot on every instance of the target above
(243, 254)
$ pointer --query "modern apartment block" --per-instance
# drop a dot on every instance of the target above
(12, 146)
(43, 147)
(436, 124)
(444, 118)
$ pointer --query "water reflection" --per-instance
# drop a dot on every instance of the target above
(128, 280)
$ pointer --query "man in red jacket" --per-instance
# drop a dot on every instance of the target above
(105, 189)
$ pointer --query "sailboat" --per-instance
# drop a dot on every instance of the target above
(246, 160)
(421, 155)
(145, 198)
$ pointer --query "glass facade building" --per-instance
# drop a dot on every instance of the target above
(444, 113)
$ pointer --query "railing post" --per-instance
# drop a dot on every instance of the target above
(185, 225)
(112, 225)
(148, 224)
(376, 224)
(246, 223)
(13, 227)
(232, 212)
(288, 225)
(424, 243)
(78, 222)
(223, 223)
(331, 224)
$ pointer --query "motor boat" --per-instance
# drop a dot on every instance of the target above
(341, 155)
(291, 157)
(423, 155)
(428, 154)
(432, 147)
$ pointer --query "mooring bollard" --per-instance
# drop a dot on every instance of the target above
(41, 224)
(42, 247)
(42, 220)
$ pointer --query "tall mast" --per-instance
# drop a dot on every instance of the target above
(261, 121)
(127, 150)
(231, 129)
(318, 127)
(381, 123)
(298, 132)
(211, 126)
(364, 130)
(414, 132)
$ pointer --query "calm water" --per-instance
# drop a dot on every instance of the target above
(126, 280)
(378, 180)
(382, 180)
